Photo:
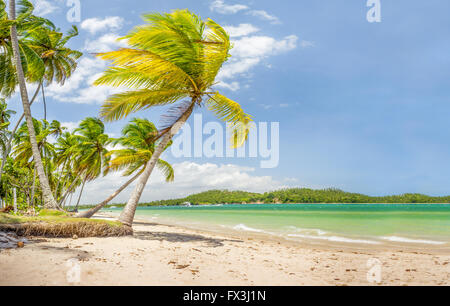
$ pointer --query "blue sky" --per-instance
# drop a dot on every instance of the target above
(362, 106)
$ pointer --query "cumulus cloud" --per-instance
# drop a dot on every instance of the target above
(221, 7)
(79, 89)
(105, 43)
(243, 29)
(190, 178)
(94, 25)
(249, 51)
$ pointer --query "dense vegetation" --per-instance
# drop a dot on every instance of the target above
(294, 195)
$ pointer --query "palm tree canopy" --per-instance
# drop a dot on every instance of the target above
(42, 48)
(172, 57)
(139, 145)
(91, 151)
(22, 151)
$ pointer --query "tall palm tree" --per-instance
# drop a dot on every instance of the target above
(173, 57)
(43, 57)
(139, 145)
(92, 153)
(49, 200)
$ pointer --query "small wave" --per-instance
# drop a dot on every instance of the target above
(409, 240)
(334, 239)
(308, 230)
(243, 227)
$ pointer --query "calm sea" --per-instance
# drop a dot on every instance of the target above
(403, 224)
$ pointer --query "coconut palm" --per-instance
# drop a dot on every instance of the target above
(59, 61)
(139, 145)
(91, 152)
(49, 200)
(172, 57)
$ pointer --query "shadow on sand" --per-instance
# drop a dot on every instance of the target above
(179, 237)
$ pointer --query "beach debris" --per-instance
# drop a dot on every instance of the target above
(11, 241)
(75, 237)
(181, 267)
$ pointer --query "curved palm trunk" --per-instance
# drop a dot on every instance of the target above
(93, 211)
(67, 191)
(127, 215)
(11, 137)
(81, 193)
(49, 200)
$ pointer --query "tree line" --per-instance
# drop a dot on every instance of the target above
(295, 196)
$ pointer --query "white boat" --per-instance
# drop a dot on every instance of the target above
(187, 204)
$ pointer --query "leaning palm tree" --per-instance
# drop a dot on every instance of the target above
(91, 153)
(49, 200)
(138, 142)
(173, 57)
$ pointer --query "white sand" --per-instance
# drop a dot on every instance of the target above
(168, 255)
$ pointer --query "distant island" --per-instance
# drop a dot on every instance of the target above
(291, 196)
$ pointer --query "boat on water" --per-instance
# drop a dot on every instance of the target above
(186, 204)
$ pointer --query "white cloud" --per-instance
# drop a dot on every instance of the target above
(44, 7)
(262, 46)
(105, 43)
(243, 29)
(71, 126)
(190, 178)
(250, 51)
(79, 89)
(265, 16)
(94, 25)
(221, 7)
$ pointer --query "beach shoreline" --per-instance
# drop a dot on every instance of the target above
(171, 255)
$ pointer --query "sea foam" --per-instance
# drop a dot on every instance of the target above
(334, 239)
(409, 240)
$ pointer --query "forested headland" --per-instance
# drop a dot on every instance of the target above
(295, 195)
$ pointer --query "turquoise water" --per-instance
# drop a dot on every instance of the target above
(323, 223)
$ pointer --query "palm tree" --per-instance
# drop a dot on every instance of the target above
(35, 51)
(173, 57)
(138, 140)
(49, 200)
(23, 154)
(58, 60)
(91, 153)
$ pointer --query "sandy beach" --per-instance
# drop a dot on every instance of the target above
(169, 255)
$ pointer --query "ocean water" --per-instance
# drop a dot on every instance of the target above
(378, 224)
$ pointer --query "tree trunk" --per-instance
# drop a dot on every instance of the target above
(33, 188)
(59, 181)
(49, 200)
(81, 193)
(11, 137)
(67, 191)
(93, 211)
(15, 200)
(45, 104)
(127, 215)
